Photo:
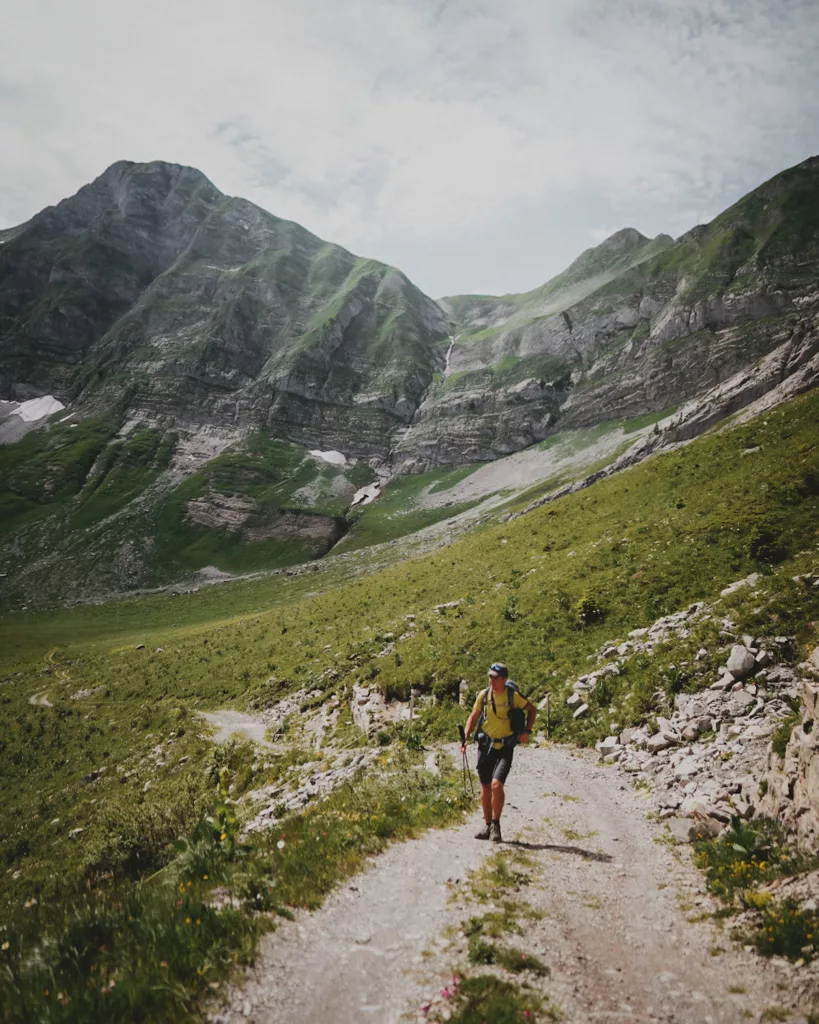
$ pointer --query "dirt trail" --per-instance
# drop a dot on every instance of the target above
(615, 934)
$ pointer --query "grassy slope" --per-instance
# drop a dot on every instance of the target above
(640, 544)
(397, 513)
(66, 482)
(648, 541)
(586, 273)
(758, 237)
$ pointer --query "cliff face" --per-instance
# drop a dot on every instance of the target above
(633, 326)
(152, 291)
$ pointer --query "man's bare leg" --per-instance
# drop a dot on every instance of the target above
(486, 801)
(498, 797)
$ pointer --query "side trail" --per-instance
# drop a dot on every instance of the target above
(618, 930)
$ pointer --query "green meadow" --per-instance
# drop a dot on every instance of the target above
(100, 703)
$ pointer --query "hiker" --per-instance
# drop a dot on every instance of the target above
(498, 713)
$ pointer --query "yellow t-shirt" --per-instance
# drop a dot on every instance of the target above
(496, 723)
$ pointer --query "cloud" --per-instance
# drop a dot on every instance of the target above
(461, 140)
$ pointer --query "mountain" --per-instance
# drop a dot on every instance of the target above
(230, 389)
(592, 269)
(151, 291)
(633, 326)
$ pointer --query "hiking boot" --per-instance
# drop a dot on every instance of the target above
(495, 832)
(485, 832)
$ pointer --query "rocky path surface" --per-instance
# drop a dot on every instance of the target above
(619, 930)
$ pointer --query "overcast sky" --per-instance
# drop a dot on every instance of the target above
(478, 145)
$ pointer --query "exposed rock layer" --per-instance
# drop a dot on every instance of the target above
(151, 291)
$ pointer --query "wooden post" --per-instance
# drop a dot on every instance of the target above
(413, 694)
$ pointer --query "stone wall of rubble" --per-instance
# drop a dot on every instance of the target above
(793, 781)
(712, 757)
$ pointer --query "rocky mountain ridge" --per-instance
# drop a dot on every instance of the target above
(671, 321)
(152, 293)
(232, 382)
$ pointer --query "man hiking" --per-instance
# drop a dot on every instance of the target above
(499, 709)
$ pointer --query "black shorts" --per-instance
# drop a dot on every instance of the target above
(495, 764)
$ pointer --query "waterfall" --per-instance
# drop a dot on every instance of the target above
(452, 340)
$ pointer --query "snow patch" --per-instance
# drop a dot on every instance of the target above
(37, 408)
(333, 457)
(365, 495)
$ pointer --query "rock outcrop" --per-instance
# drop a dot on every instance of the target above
(712, 756)
(238, 514)
(792, 781)
(790, 369)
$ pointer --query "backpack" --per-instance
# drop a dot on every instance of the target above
(517, 717)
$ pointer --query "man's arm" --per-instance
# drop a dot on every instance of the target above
(531, 715)
(470, 722)
(470, 725)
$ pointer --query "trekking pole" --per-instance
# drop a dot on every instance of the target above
(467, 773)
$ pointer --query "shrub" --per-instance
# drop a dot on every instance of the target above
(742, 857)
(782, 734)
(788, 931)
(489, 998)
(588, 611)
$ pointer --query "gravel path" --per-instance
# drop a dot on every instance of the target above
(615, 935)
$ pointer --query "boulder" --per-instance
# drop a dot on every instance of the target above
(582, 710)
(741, 702)
(687, 767)
(725, 682)
(574, 701)
(690, 831)
(608, 745)
(741, 662)
(668, 730)
(657, 742)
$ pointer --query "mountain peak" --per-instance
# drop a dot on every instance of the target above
(624, 239)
